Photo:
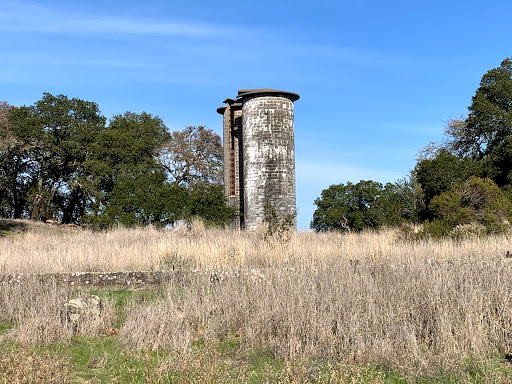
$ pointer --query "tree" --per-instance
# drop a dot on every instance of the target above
(475, 201)
(55, 133)
(193, 159)
(4, 127)
(13, 189)
(59, 159)
(367, 205)
(478, 145)
(440, 173)
(125, 180)
(129, 140)
(193, 155)
(401, 202)
(207, 201)
(348, 207)
(489, 121)
(142, 200)
(486, 134)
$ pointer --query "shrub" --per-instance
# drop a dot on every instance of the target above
(408, 233)
(278, 227)
(468, 231)
(472, 204)
(435, 229)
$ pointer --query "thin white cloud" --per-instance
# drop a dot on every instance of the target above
(20, 60)
(343, 54)
(29, 17)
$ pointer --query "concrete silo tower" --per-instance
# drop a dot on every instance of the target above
(259, 153)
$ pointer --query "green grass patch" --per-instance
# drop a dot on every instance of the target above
(123, 297)
(103, 360)
(229, 347)
(6, 326)
(120, 297)
(265, 368)
(198, 343)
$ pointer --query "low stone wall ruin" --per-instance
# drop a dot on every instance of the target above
(97, 279)
(128, 279)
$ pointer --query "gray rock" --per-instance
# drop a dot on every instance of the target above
(83, 313)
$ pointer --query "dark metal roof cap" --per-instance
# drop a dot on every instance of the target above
(234, 106)
(237, 104)
(254, 92)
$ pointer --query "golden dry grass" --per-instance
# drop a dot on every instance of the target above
(411, 317)
(23, 367)
(363, 299)
(45, 249)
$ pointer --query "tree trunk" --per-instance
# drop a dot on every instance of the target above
(18, 204)
(67, 212)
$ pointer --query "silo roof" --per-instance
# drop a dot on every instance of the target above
(251, 92)
(235, 103)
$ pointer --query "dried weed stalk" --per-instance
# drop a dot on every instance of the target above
(417, 315)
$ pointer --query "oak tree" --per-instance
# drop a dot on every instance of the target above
(193, 155)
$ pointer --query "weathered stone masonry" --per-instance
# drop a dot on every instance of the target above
(259, 153)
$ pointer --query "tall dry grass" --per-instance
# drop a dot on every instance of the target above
(18, 366)
(341, 299)
(415, 317)
(44, 249)
(36, 308)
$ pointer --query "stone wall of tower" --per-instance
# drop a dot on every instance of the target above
(268, 156)
(233, 165)
(239, 166)
(227, 144)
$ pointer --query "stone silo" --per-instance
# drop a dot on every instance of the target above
(259, 153)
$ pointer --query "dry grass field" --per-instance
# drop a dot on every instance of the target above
(37, 247)
(352, 308)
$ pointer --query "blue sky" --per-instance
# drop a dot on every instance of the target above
(377, 79)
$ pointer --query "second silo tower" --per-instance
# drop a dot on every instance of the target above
(259, 153)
